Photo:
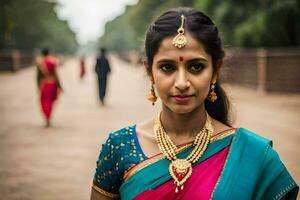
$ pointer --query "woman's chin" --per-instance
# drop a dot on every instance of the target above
(182, 109)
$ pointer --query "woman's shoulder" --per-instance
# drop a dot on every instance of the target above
(50, 59)
(274, 179)
(252, 153)
(122, 134)
(121, 140)
(252, 137)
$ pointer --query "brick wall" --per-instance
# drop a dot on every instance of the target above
(265, 70)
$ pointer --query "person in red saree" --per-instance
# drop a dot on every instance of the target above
(190, 149)
(48, 83)
(82, 67)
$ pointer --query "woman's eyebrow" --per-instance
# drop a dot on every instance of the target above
(166, 61)
(197, 60)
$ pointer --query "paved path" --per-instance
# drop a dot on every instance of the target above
(58, 163)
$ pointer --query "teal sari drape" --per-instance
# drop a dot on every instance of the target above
(252, 170)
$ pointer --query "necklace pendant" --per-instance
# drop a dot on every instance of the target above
(180, 170)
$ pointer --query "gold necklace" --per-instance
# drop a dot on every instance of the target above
(181, 169)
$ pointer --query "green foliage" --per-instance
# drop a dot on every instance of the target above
(119, 35)
(241, 23)
(255, 23)
(34, 24)
(127, 31)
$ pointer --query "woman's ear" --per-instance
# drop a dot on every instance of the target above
(219, 64)
(150, 76)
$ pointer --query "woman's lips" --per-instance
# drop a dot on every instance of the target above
(182, 98)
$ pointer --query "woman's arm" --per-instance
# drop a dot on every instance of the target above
(58, 81)
(97, 196)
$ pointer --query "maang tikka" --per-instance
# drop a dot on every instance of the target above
(180, 40)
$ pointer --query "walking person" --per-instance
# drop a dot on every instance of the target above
(48, 83)
(82, 67)
(189, 150)
(102, 69)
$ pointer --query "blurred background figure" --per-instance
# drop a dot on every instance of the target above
(48, 82)
(102, 70)
(82, 67)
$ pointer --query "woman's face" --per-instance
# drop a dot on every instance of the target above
(182, 76)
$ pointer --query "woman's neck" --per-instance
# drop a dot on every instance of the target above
(183, 125)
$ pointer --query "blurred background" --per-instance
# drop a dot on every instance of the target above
(261, 75)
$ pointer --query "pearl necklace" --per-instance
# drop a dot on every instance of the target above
(181, 169)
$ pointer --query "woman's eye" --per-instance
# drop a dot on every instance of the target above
(167, 68)
(196, 67)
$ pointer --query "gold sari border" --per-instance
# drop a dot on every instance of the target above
(232, 131)
(105, 193)
(150, 161)
(223, 134)
(283, 192)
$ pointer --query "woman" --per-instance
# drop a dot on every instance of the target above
(82, 67)
(190, 151)
(48, 83)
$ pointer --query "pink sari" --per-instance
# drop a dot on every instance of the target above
(150, 179)
(204, 179)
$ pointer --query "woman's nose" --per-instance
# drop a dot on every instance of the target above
(182, 83)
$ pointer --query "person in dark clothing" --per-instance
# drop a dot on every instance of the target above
(102, 70)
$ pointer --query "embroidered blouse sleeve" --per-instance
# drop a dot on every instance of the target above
(276, 182)
(108, 178)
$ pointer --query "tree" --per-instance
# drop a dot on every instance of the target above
(34, 24)
(119, 35)
(255, 23)
(134, 22)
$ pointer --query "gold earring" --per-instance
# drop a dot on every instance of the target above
(152, 96)
(212, 96)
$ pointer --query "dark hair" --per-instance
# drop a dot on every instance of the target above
(45, 51)
(103, 50)
(204, 30)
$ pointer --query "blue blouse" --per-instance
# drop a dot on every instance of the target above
(120, 152)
